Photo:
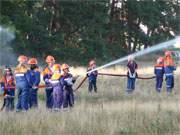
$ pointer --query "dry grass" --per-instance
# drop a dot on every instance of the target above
(110, 112)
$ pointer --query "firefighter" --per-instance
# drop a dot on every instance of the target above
(159, 72)
(47, 74)
(57, 87)
(67, 81)
(22, 78)
(8, 86)
(34, 82)
(169, 68)
(92, 77)
(131, 74)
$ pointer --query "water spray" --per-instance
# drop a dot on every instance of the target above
(7, 56)
(154, 48)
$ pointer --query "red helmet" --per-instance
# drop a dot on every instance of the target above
(92, 62)
(160, 60)
(64, 66)
(168, 53)
(56, 67)
(50, 59)
(33, 61)
(22, 58)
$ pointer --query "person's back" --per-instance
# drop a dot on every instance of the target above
(169, 68)
(22, 78)
(159, 72)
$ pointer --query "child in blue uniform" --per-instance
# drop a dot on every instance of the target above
(22, 78)
(159, 72)
(8, 86)
(57, 88)
(92, 77)
(67, 81)
(169, 68)
(47, 74)
(34, 82)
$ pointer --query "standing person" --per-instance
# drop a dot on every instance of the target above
(8, 86)
(92, 77)
(131, 74)
(57, 88)
(169, 68)
(34, 82)
(21, 77)
(159, 72)
(67, 81)
(47, 74)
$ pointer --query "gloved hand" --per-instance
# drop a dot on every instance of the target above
(1, 90)
(34, 87)
(47, 81)
(69, 81)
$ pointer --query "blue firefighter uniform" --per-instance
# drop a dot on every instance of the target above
(92, 77)
(159, 72)
(169, 68)
(47, 74)
(22, 77)
(7, 85)
(67, 81)
(57, 91)
(34, 83)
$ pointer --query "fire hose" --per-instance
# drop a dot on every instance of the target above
(124, 75)
(80, 84)
(40, 86)
(117, 75)
(14, 87)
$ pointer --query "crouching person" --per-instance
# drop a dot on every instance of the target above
(92, 77)
(159, 72)
(8, 86)
(34, 82)
(169, 68)
(57, 88)
(131, 74)
(67, 81)
(21, 77)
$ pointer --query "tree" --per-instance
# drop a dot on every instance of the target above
(77, 31)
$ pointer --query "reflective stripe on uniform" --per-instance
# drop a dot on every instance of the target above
(54, 81)
(159, 68)
(169, 74)
(19, 75)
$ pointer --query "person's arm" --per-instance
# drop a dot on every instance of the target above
(88, 69)
(37, 78)
(62, 82)
(155, 70)
(136, 67)
(28, 78)
(2, 86)
(163, 70)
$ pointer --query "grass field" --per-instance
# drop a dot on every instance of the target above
(110, 112)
